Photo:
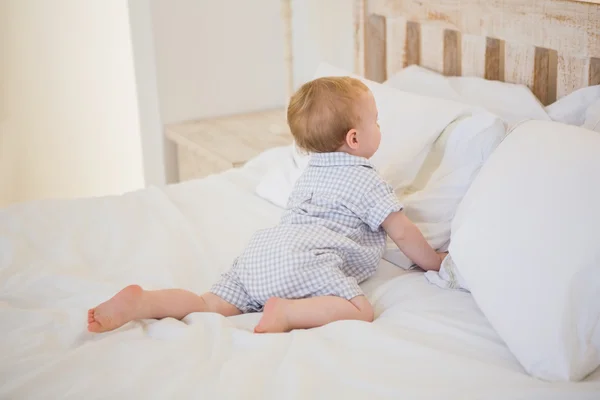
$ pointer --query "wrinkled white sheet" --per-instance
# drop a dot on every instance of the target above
(58, 258)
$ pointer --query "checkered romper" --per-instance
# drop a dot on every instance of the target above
(328, 241)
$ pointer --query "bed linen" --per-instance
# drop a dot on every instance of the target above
(512, 102)
(536, 234)
(58, 258)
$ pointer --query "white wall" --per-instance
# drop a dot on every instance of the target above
(7, 148)
(71, 124)
(151, 127)
(214, 59)
(322, 31)
(218, 57)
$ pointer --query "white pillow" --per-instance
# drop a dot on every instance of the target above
(592, 116)
(277, 184)
(581, 108)
(525, 239)
(409, 123)
(447, 172)
(513, 103)
(420, 80)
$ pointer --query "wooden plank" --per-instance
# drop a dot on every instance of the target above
(432, 47)
(412, 47)
(494, 59)
(452, 53)
(572, 74)
(473, 55)
(571, 28)
(395, 44)
(594, 74)
(375, 48)
(544, 75)
(519, 64)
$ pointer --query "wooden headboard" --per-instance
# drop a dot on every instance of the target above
(552, 46)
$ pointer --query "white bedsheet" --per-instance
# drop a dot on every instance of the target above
(59, 258)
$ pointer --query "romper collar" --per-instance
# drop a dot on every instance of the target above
(338, 158)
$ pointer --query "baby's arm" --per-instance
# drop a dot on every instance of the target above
(410, 240)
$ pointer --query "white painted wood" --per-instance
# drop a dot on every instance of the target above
(566, 26)
(432, 47)
(572, 74)
(473, 55)
(395, 44)
(519, 63)
(214, 145)
(569, 29)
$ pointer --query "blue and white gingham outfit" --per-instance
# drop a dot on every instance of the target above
(328, 241)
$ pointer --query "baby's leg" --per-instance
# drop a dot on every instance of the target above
(283, 315)
(133, 303)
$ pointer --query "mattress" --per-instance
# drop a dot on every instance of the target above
(59, 258)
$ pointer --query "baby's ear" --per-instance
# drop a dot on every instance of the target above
(352, 139)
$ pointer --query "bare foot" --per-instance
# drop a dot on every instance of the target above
(117, 311)
(274, 318)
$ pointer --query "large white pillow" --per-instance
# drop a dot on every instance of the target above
(526, 241)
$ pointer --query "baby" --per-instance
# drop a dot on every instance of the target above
(305, 272)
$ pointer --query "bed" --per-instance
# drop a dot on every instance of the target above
(58, 258)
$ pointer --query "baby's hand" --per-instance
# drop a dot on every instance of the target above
(442, 256)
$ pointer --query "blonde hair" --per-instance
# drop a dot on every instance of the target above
(322, 111)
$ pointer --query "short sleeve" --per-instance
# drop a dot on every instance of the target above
(378, 203)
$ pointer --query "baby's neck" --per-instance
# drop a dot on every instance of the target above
(346, 149)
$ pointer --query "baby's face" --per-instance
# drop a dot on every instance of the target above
(369, 135)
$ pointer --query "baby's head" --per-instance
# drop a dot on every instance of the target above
(335, 114)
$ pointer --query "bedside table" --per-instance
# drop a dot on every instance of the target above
(213, 145)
